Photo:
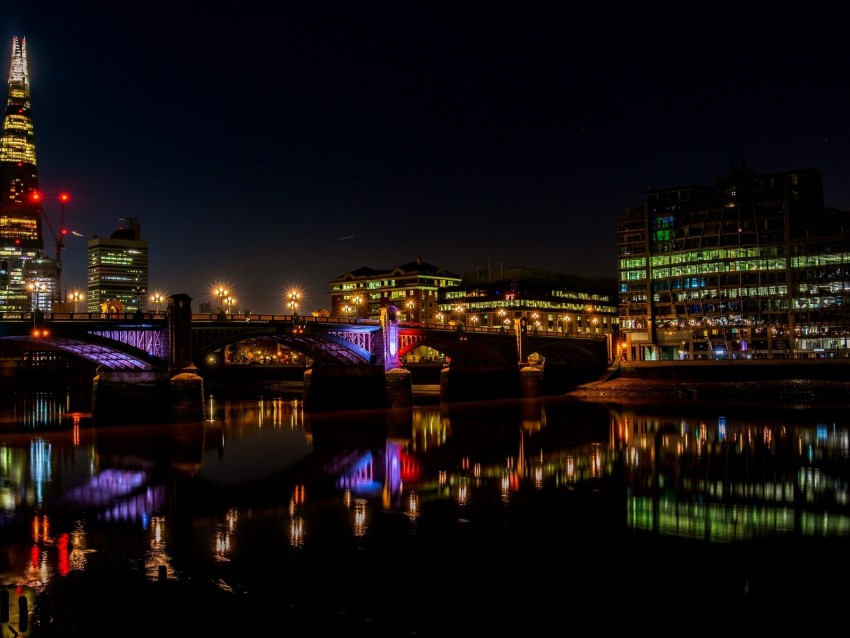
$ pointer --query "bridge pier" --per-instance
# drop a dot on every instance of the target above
(121, 397)
(531, 380)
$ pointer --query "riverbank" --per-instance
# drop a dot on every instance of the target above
(787, 383)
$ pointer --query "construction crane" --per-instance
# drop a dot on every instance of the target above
(58, 237)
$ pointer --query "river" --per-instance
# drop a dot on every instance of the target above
(555, 514)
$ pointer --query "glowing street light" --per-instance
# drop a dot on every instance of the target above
(410, 306)
(76, 296)
(157, 299)
(294, 296)
(356, 300)
(222, 293)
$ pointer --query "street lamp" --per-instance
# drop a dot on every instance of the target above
(441, 317)
(293, 296)
(459, 310)
(356, 300)
(222, 293)
(157, 299)
(229, 303)
(410, 306)
(76, 297)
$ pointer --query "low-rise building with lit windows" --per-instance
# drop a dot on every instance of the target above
(549, 301)
(412, 288)
(753, 266)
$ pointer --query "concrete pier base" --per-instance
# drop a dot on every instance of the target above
(530, 381)
(399, 387)
(122, 397)
(186, 400)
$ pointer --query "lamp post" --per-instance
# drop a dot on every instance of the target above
(459, 310)
(410, 306)
(222, 293)
(293, 296)
(356, 300)
(157, 298)
(229, 303)
(76, 297)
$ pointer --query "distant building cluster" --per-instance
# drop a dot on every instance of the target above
(753, 266)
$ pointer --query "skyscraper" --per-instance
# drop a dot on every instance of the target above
(21, 238)
(118, 269)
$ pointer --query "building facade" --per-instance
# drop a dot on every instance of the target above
(117, 269)
(753, 266)
(412, 288)
(548, 301)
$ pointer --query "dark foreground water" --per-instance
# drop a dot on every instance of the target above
(498, 518)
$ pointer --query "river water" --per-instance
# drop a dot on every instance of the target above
(533, 515)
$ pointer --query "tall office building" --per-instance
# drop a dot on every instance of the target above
(753, 266)
(118, 269)
(21, 238)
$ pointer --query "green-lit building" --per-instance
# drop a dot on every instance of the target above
(117, 269)
(753, 266)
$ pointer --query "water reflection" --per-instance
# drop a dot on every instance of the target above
(262, 489)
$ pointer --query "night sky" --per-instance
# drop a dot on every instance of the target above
(271, 145)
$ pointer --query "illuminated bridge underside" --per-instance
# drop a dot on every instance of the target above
(325, 345)
(146, 340)
(104, 355)
(329, 348)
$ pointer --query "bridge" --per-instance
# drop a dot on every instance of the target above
(355, 362)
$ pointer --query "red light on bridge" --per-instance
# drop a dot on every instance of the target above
(64, 198)
(40, 332)
(35, 196)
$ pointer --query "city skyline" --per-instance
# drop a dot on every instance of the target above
(372, 137)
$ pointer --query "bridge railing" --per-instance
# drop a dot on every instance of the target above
(259, 318)
(80, 316)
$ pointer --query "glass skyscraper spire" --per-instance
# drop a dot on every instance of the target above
(27, 280)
